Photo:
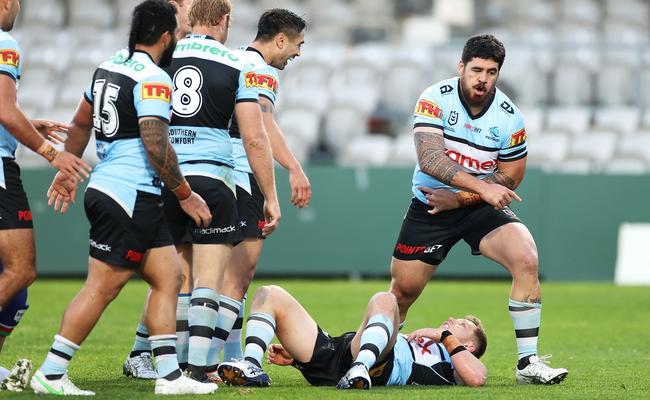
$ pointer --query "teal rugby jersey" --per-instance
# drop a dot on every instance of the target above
(420, 362)
(497, 133)
(10, 65)
(267, 82)
(121, 92)
(209, 79)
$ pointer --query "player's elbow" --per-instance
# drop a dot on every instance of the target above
(476, 380)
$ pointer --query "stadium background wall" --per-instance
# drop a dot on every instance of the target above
(351, 226)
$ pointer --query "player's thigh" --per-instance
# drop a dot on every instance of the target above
(17, 252)
(209, 263)
(409, 277)
(295, 328)
(512, 246)
(106, 280)
(240, 271)
(161, 268)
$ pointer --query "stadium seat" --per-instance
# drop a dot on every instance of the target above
(45, 15)
(576, 166)
(302, 124)
(635, 146)
(97, 14)
(365, 150)
(403, 84)
(623, 120)
(342, 125)
(572, 84)
(615, 86)
(403, 151)
(573, 120)
(625, 166)
(586, 12)
(594, 146)
(548, 149)
(533, 120)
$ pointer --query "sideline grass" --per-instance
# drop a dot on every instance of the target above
(598, 331)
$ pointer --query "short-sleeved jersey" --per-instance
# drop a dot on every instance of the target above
(10, 65)
(267, 82)
(209, 79)
(420, 362)
(121, 92)
(474, 142)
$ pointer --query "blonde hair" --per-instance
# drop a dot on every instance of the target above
(479, 335)
(208, 12)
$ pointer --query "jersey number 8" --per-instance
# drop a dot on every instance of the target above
(187, 99)
(105, 117)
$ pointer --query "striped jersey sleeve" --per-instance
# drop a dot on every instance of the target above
(428, 111)
(513, 146)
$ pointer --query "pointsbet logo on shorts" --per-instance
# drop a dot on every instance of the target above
(518, 137)
(428, 109)
(157, 91)
(9, 57)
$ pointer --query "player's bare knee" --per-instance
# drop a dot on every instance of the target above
(384, 302)
(528, 264)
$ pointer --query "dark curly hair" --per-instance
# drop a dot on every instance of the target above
(486, 47)
(279, 20)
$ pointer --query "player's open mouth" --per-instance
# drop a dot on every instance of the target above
(480, 90)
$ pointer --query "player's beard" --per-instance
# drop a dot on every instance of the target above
(167, 55)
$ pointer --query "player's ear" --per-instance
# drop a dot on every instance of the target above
(280, 40)
(470, 347)
(460, 68)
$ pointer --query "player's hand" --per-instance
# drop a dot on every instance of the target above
(61, 193)
(197, 209)
(278, 355)
(50, 129)
(425, 333)
(439, 199)
(72, 166)
(300, 188)
(497, 195)
(272, 217)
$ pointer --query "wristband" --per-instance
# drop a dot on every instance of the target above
(182, 191)
(457, 350)
(47, 151)
(450, 342)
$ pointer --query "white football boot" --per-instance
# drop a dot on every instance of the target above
(538, 372)
(59, 387)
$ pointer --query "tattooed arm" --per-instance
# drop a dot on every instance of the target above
(508, 174)
(430, 148)
(162, 157)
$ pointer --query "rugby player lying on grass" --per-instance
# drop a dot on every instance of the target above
(376, 354)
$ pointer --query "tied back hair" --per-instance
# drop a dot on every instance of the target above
(150, 20)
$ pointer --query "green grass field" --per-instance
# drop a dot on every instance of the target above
(598, 331)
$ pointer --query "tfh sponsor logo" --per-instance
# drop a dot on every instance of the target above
(9, 57)
(518, 137)
(157, 91)
(428, 109)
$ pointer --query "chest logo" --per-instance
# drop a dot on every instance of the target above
(453, 118)
(507, 107)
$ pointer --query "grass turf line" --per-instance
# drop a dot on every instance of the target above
(598, 331)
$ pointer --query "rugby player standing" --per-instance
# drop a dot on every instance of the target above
(471, 147)
(280, 35)
(17, 254)
(210, 84)
(127, 106)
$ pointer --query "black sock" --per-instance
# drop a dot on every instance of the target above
(523, 362)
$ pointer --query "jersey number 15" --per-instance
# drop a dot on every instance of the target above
(105, 117)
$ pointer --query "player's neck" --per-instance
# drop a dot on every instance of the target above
(153, 51)
(262, 48)
(217, 32)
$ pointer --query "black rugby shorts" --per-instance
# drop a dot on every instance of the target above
(14, 207)
(429, 238)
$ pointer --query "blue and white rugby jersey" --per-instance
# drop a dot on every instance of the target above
(11, 66)
(121, 92)
(209, 79)
(476, 143)
(267, 82)
(420, 362)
